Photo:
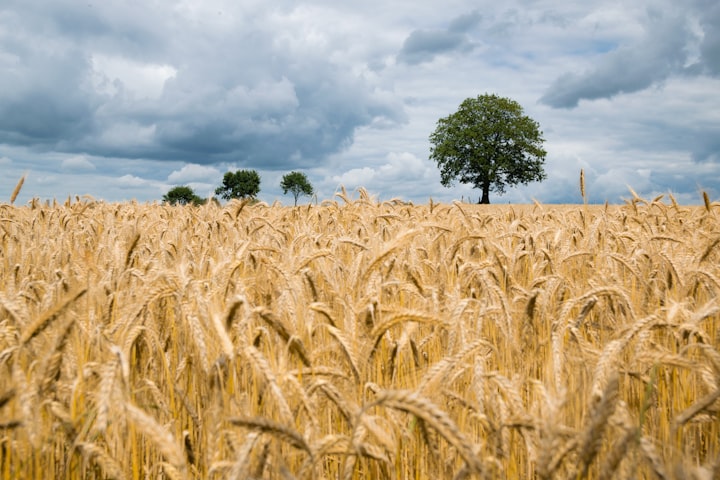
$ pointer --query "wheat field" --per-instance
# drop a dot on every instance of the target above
(359, 339)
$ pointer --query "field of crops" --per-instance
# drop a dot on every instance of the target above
(359, 339)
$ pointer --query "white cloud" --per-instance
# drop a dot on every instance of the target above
(402, 174)
(405, 165)
(356, 177)
(77, 163)
(132, 181)
(193, 173)
(123, 136)
(268, 97)
(112, 75)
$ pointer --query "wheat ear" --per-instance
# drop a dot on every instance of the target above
(54, 362)
(239, 469)
(706, 201)
(333, 444)
(16, 191)
(172, 472)
(439, 370)
(345, 345)
(278, 430)
(619, 451)
(412, 316)
(262, 366)
(687, 414)
(651, 455)
(158, 434)
(400, 241)
(592, 434)
(42, 322)
(110, 467)
(411, 402)
(6, 397)
(349, 411)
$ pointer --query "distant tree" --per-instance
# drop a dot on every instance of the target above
(297, 183)
(241, 184)
(182, 195)
(488, 143)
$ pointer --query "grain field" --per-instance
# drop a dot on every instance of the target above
(359, 339)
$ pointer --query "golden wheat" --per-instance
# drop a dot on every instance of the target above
(359, 339)
(16, 190)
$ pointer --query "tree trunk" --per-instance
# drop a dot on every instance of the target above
(485, 193)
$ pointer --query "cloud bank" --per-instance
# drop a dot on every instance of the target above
(675, 41)
(125, 100)
(424, 45)
(182, 84)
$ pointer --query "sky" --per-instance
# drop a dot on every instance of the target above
(123, 100)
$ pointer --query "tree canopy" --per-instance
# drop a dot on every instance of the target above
(297, 183)
(182, 195)
(240, 184)
(488, 143)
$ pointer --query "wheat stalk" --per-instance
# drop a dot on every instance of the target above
(438, 372)
(42, 322)
(647, 447)
(110, 466)
(158, 435)
(706, 201)
(239, 469)
(259, 361)
(276, 429)
(53, 364)
(617, 454)
(333, 394)
(346, 347)
(600, 411)
(16, 190)
(702, 404)
(419, 406)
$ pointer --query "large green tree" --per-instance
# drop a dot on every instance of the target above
(297, 183)
(488, 143)
(240, 184)
(182, 195)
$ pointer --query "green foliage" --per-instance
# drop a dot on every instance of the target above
(182, 195)
(241, 184)
(297, 183)
(489, 144)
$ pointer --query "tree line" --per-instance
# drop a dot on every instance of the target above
(488, 143)
(241, 184)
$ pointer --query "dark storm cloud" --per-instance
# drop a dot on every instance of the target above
(707, 147)
(308, 113)
(424, 45)
(627, 69)
(465, 22)
(672, 45)
(234, 93)
(44, 94)
(710, 46)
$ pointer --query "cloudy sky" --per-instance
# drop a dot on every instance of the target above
(125, 99)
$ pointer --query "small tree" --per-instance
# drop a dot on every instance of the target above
(488, 143)
(297, 183)
(182, 195)
(241, 184)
